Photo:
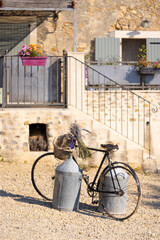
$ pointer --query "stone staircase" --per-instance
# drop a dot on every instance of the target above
(14, 140)
(129, 152)
(130, 118)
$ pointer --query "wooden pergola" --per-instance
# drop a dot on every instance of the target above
(40, 5)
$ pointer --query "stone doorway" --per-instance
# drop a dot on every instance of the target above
(38, 137)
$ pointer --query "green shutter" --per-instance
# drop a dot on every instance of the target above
(153, 49)
(13, 36)
(107, 49)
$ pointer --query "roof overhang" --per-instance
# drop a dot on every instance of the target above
(37, 5)
(45, 6)
(36, 9)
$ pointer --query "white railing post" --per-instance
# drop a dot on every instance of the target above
(76, 79)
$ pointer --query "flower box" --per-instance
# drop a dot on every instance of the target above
(147, 71)
(34, 61)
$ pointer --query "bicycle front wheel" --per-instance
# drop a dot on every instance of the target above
(43, 175)
(120, 191)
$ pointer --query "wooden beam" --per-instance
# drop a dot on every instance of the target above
(35, 9)
(37, 4)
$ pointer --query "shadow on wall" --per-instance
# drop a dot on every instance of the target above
(121, 74)
(132, 75)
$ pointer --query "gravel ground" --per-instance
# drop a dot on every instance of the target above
(24, 215)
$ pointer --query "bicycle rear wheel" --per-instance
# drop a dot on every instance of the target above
(122, 179)
(43, 175)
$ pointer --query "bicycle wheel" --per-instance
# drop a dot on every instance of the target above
(43, 175)
(122, 179)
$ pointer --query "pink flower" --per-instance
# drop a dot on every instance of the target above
(20, 53)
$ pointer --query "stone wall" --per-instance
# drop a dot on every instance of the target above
(96, 18)
(14, 131)
(128, 114)
(14, 136)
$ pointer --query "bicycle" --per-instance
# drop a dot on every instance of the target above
(122, 188)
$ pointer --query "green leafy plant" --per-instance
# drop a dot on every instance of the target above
(142, 57)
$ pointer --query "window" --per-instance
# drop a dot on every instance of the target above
(130, 49)
(124, 46)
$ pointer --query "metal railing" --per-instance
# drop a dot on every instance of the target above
(128, 74)
(64, 81)
(30, 86)
(110, 103)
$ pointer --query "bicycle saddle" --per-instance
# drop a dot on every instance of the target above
(110, 146)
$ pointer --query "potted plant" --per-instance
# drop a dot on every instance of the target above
(31, 55)
(156, 66)
(145, 66)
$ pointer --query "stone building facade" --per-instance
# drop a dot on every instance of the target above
(97, 18)
(94, 18)
(55, 32)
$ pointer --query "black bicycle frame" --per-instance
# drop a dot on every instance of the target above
(91, 186)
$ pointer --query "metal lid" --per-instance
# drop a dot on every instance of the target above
(69, 166)
(119, 172)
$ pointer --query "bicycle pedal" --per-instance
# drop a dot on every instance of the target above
(86, 177)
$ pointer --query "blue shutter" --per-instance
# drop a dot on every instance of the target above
(107, 49)
(153, 49)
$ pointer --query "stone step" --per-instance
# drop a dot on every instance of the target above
(129, 152)
(150, 164)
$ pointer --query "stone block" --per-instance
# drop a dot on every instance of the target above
(26, 123)
(85, 123)
(119, 156)
(150, 165)
(116, 139)
(135, 158)
(25, 147)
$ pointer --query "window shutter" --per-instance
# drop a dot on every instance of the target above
(107, 49)
(13, 36)
(153, 49)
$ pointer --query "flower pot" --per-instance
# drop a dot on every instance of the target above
(34, 61)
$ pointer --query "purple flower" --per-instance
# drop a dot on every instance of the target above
(20, 53)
